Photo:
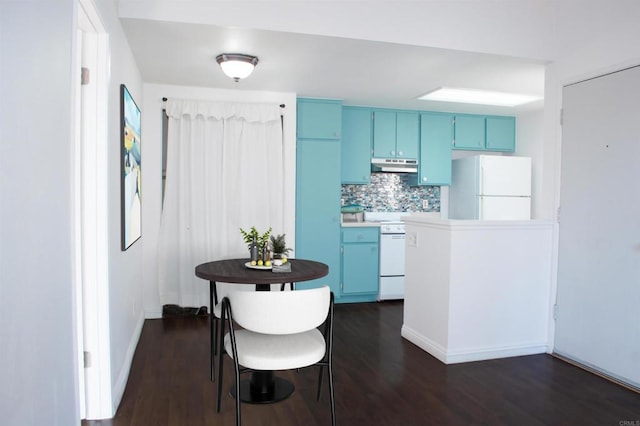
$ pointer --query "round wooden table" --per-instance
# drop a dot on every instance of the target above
(263, 387)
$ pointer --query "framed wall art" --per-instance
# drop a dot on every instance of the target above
(131, 169)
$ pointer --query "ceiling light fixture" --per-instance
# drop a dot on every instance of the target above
(237, 65)
(473, 96)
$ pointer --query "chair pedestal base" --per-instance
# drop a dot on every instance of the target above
(263, 388)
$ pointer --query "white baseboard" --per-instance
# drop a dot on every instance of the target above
(424, 343)
(121, 383)
(154, 314)
(468, 355)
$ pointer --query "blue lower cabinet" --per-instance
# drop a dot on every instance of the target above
(360, 264)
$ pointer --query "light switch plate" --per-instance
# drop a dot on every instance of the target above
(412, 239)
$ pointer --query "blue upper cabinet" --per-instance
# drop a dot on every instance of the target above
(407, 134)
(384, 134)
(396, 134)
(436, 134)
(469, 132)
(319, 119)
(355, 163)
(501, 133)
(484, 133)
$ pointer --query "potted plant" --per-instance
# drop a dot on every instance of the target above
(279, 246)
(254, 239)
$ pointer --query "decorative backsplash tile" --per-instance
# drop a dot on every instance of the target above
(390, 192)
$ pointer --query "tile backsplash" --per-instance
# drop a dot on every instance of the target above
(390, 192)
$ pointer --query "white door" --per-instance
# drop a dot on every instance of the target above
(505, 176)
(598, 296)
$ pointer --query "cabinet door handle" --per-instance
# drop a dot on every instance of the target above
(393, 153)
(400, 152)
(424, 179)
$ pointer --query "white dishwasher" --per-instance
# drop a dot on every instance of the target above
(392, 252)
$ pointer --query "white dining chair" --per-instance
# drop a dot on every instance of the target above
(220, 291)
(279, 331)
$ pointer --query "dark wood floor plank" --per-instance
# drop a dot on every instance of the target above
(380, 379)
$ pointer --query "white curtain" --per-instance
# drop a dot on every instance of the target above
(224, 172)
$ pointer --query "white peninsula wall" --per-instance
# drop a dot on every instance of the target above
(477, 290)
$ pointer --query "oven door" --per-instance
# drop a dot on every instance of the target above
(392, 255)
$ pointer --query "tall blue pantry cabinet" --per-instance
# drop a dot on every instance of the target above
(318, 187)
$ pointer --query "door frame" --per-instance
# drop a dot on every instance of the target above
(91, 216)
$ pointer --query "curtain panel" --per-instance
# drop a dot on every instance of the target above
(225, 171)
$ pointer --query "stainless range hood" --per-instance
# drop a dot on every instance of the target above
(394, 165)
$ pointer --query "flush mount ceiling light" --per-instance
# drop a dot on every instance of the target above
(473, 96)
(237, 65)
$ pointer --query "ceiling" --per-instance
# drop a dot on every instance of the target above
(359, 72)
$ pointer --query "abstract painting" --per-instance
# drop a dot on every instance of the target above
(131, 168)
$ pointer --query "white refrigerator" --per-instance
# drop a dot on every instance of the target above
(490, 187)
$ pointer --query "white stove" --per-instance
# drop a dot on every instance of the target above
(392, 253)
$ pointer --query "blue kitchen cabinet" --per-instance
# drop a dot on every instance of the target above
(485, 133)
(469, 132)
(319, 118)
(407, 134)
(396, 134)
(501, 133)
(318, 188)
(318, 208)
(360, 264)
(356, 145)
(436, 134)
(384, 134)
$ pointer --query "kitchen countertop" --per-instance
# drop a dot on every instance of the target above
(376, 224)
(475, 224)
(360, 224)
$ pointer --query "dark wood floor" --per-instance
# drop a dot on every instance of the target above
(380, 379)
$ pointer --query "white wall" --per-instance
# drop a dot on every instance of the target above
(37, 359)
(529, 142)
(125, 268)
(152, 175)
(37, 306)
(490, 304)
